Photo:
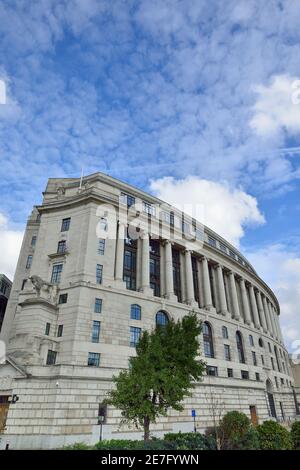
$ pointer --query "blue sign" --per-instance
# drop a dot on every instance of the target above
(193, 413)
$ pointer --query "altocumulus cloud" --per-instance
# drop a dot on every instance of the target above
(10, 243)
(224, 209)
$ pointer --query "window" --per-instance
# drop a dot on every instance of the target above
(29, 262)
(276, 382)
(127, 199)
(229, 372)
(199, 233)
(282, 381)
(103, 225)
(129, 266)
(254, 358)
(62, 299)
(257, 377)
(269, 346)
(101, 246)
(185, 227)
(93, 359)
(99, 271)
(232, 254)
(135, 312)
(56, 273)
(167, 217)
(212, 242)
(61, 247)
(240, 347)
(162, 318)
(96, 332)
(60, 330)
(98, 305)
(212, 371)
(155, 267)
(23, 284)
(47, 329)
(148, 208)
(65, 225)
(262, 360)
(224, 332)
(227, 354)
(135, 334)
(223, 247)
(251, 340)
(51, 357)
(260, 343)
(245, 374)
(176, 274)
(33, 241)
(208, 340)
(272, 362)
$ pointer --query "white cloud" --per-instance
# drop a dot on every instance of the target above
(279, 267)
(10, 243)
(277, 108)
(225, 210)
(2, 92)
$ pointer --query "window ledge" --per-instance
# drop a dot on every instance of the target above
(58, 255)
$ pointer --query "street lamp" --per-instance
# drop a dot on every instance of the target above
(101, 420)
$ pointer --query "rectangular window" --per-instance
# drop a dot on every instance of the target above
(245, 374)
(262, 360)
(135, 334)
(29, 262)
(227, 354)
(148, 208)
(51, 357)
(47, 329)
(229, 372)
(254, 358)
(93, 359)
(101, 246)
(269, 346)
(232, 254)
(61, 246)
(63, 299)
(257, 377)
(23, 284)
(135, 312)
(60, 330)
(99, 271)
(223, 247)
(65, 225)
(272, 362)
(212, 242)
(127, 199)
(56, 273)
(96, 332)
(98, 306)
(129, 265)
(212, 371)
(33, 241)
(199, 233)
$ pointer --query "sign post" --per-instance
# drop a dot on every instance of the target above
(194, 417)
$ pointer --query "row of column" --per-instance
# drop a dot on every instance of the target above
(264, 316)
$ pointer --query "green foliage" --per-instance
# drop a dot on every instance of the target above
(273, 436)
(161, 374)
(295, 435)
(236, 432)
(190, 441)
(119, 444)
(77, 446)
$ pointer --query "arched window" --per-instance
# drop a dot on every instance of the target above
(208, 345)
(260, 343)
(224, 332)
(162, 318)
(251, 340)
(240, 347)
(135, 312)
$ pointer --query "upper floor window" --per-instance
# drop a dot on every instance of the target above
(199, 234)
(29, 262)
(60, 330)
(93, 359)
(269, 346)
(98, 306)
(96, 332)
(260, 343)
(56, 273)
(135, 334)
(251, 340)
(240, 347)
(99, 272)
(223, 247)
(162, 318)
(65, 225)
(167, 217)
(148, 208)
(224, 332)
(62, 299)
(232, 254)
(208, 340)
(245, 374)
(227, 354)
(254, 358)
(212, 371)
(135, 312)
(61, 246)
(101, 246)
(103, 224)
(47, 329)
(51, 358)
(127, 199)
(212, 241)
(33, 241)
(272, 362)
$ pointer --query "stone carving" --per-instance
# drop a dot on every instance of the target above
(60, 191)
(43, 288)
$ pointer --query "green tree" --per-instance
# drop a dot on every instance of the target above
(161, 374)
(273, 436)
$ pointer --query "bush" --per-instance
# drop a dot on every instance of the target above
(190, 441)
(235, 432)
(77, 446)
(295, 435)
(119, 444)
(273, 436)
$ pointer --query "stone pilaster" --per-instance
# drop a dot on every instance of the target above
(234, 297)
(221, 289)
(245, 302)
(190, 293)
(254, 307)
(206, 285)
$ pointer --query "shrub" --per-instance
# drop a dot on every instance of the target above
(77, 446)
(295, 435)
(236, 432)
(119, 444)
(273, 436)
(190, 441)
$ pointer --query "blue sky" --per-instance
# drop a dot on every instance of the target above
(202, 93)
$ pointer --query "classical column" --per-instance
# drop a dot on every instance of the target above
(120, 252)
(266, 310)
(254, 307)
(190, 293)
(261, 312)
(145, 271)
(169, 284)
(221, 288)
(272, 320)
(245, 302)
(278, 326)
(234, 297)
(206, 284)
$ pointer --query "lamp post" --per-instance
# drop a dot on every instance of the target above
(194, 417)
(101, 421)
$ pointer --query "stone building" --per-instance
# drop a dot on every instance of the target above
(5, 287)
(102, 260)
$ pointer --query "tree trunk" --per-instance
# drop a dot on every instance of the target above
(146, 428)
